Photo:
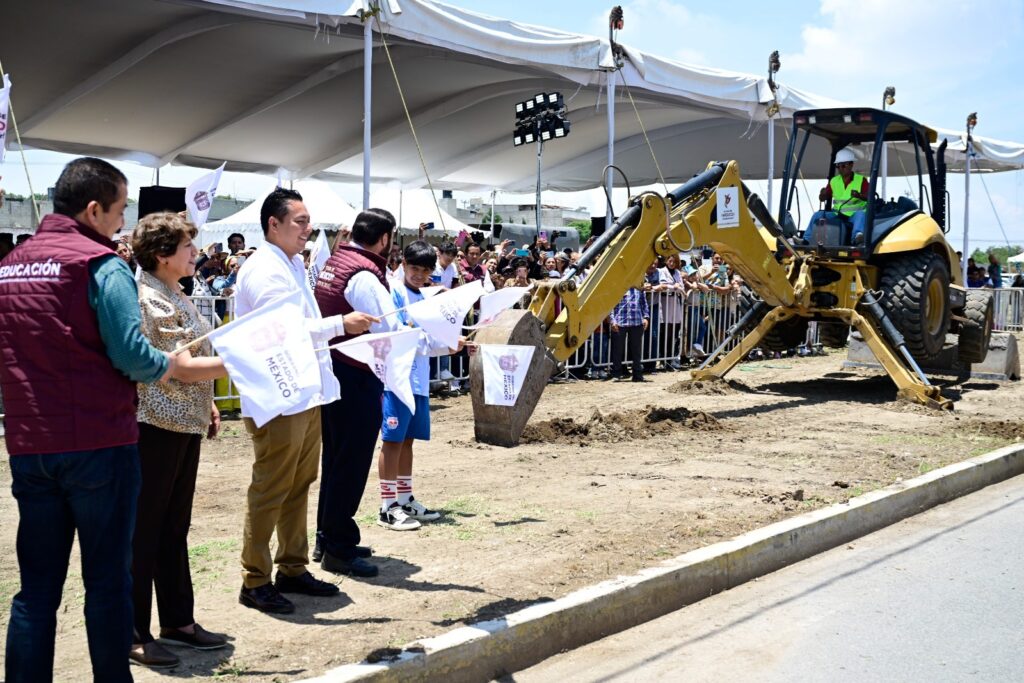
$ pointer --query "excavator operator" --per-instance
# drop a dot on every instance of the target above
(847, 190)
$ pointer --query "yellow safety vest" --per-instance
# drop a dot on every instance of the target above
(842, 195)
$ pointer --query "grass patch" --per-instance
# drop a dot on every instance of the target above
(205, 550)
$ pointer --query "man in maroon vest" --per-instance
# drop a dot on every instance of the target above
(353, 279)
(71, 352)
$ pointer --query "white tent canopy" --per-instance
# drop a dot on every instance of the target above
(327, 211)
(197, 82)
(1019, 258)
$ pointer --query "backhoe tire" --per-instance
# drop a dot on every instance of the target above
(915, 295)
(972, 346)
(786, 335)
(833, 335)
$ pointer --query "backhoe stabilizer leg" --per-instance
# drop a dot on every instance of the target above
(909, 386)
(740, 351)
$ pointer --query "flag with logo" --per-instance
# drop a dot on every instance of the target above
(491, 305)
(317, 258)
(199, 196)
(390, 356)
(428, 292)
(441, 315)
(269, 355)
(505, 369)
(5, 101)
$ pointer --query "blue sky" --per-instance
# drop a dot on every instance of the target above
(946, 58)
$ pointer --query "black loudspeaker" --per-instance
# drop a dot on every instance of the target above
(597, 226)
(157, 198)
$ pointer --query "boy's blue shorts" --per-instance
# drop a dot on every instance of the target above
(399, 424)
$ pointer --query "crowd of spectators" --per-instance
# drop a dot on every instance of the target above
(682, 308)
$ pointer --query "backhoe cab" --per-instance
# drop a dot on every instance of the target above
(900, 241)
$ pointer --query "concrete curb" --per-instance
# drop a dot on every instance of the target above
(493, 648)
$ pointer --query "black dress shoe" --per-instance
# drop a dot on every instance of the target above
(356, 566)
(266, 598)
(304, 583)
(357, 551)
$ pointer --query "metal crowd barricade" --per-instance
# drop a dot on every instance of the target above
(218, 310)
(684, 334)
(1008, 304)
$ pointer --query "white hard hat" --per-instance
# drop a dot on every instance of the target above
(845, 154)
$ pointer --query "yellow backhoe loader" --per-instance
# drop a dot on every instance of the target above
(887, 270)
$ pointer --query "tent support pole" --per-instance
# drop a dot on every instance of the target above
(367, 110)
(608, 214)
(967, 209)
(540, 154)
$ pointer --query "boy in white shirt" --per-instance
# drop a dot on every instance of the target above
(400, 427)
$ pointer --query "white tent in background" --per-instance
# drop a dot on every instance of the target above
(327, 211)
(412, 207)
(1019, 258)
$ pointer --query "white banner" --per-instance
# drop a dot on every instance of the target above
(5, 100)
(317, 258)
(441, 315)
(505, 368)
(491, 305)
(200, 194)
(390, 355)
(270, 357)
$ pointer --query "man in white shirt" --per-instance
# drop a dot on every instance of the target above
(353, 279)
(288, 446)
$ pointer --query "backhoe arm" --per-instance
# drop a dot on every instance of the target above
(711, 209)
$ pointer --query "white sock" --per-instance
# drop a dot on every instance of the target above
(388, 498)
(404, 489)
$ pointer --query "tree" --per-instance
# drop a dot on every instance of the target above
(1002, 253)
(486, 218)
(583, 227)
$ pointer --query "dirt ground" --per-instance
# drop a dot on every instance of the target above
(611, 477)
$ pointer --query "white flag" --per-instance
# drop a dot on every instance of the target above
(317, 258)
(488, 284)
(428, 292)
(505, 368)
(269, 355)
(390, 355)
(199, 196)
(441, 315)
(493, 304)
(5, 100)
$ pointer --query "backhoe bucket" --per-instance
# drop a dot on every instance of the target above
(503, 425)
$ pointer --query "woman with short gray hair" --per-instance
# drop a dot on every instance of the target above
(173, 417)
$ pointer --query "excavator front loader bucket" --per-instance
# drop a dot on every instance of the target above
(503, 425)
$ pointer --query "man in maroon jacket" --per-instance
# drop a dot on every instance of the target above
(72, 352)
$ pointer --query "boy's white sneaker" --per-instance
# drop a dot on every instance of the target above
(418, 511)
(396, 519)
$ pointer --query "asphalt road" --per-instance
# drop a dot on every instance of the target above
(938, 597)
